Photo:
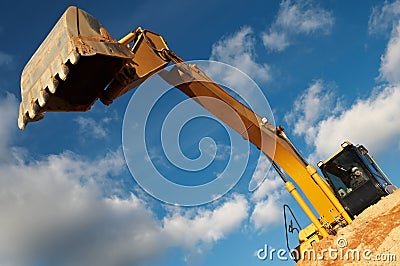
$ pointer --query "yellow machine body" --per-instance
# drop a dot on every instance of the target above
(80, 62)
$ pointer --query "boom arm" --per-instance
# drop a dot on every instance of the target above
(272, 141)
(79, 59)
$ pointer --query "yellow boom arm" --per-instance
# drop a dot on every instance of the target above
(79, 59)
(272, 141)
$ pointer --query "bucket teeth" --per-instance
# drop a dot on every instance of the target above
(63, 73)
(22, 119)
(74, 58)
(43, 98)
(33, 110)
(52, 85)
(70, 68)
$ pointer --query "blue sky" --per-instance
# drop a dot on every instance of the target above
(329, 70)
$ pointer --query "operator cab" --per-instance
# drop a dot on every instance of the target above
(356, 178)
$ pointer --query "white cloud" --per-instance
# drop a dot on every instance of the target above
(319, 116)
(267, 213)
(270, 186)
(303, 17)
(219, 151)
(96, 127)
(296, 17)
(374, 122)
(275, 41)
(325, 123)
(197, 229)
(239, 70)
(390, 61)
(260, 173)
(68, 210)
(268, 196)
(312, 106)
(238, 50)
(90, 127)
(5, 59)
(384, 16)
(9, 114)
(206, 226)
(55, 212)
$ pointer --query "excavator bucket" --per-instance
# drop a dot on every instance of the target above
(71, 68)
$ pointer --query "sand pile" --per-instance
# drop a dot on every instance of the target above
(372, 239)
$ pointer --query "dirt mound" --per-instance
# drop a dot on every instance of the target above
(373, 238)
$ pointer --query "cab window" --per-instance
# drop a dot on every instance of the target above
(346, 172)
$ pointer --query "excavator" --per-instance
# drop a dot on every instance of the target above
(79, 62)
